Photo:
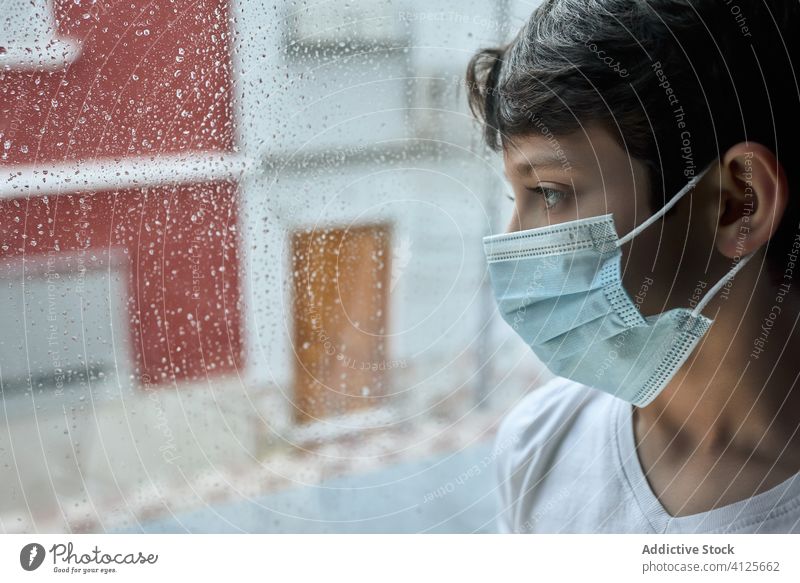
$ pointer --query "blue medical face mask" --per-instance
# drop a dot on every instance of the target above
(560, 288)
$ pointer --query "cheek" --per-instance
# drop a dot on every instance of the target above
(659, 267)
(642, 280)
(646, 275)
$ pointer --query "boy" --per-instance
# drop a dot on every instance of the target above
(650, 264)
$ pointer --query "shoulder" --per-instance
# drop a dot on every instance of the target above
(548, 436)
(545, 413)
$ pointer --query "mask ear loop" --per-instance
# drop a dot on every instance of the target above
(713, 291)
(663, 210)
(658, 214)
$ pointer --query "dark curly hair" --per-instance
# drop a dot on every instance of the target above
(677, 82)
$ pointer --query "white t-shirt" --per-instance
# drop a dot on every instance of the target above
(567, 463)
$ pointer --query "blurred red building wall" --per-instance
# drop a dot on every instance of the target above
(152, 80)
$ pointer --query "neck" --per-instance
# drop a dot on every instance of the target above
(739, 388)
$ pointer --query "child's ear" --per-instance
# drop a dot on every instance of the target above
(753, 193)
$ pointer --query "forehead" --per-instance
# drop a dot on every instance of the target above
(590, 149)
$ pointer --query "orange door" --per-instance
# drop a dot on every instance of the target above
(341, 286)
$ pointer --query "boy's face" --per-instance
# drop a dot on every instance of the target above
(587, 173)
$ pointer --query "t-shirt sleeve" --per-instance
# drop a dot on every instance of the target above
(523, 448)
(504, 511)
(506, 439)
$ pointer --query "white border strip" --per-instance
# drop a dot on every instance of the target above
(118, 174)
(55, 55)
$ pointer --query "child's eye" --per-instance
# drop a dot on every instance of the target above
(551, 196)
(511, 197)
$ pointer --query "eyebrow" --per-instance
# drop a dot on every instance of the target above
(548, 162)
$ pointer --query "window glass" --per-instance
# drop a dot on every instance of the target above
(244, 287)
